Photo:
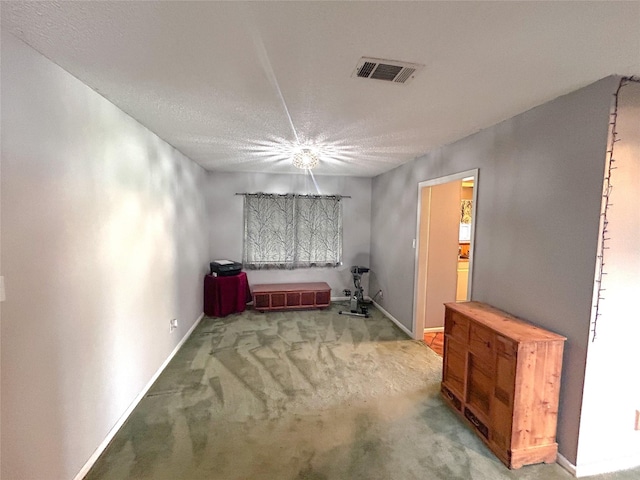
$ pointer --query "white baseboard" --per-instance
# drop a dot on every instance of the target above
(433, 329)
(599, 468)
(566, 464)
(123, 418)
(394, 320)
(340, 299)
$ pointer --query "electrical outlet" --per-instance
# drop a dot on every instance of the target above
(173, 324)
(381, 294)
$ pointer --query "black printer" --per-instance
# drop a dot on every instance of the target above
(225, 268)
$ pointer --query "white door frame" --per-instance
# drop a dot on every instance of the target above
(418, 323)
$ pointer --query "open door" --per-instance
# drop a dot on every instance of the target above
(439, 250)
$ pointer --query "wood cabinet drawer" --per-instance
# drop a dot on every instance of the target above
(457, 326)
(451, 398)
(477, 423)
(481, 342)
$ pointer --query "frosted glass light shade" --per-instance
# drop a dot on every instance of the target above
(305, 159)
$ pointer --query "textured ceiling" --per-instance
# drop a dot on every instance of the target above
(235, 86)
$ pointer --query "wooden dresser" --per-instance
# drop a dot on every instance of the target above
(502, 376)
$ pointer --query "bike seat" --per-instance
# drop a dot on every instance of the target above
(357, 269)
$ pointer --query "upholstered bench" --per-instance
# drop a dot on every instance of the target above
(285, 296)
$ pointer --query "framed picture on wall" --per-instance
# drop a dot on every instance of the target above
(466, 207)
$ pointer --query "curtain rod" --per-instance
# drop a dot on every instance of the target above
(290, 194)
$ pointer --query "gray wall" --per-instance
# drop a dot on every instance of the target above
(539, 188)
(102, 244)
(226, 222)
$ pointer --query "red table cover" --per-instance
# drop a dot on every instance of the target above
(226, 295)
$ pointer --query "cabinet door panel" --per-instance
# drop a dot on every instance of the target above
(481, 342)
(278, 300)
(307, 298)
(293, 299)
(323, 298)
(479, 385)
(502, 406)
(454, 365)
(261, 300)
(505, 379)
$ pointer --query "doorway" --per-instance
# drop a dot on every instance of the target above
(444, 247)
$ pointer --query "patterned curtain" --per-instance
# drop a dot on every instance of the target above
(292, 231)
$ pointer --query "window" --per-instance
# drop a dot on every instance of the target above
(292, 231)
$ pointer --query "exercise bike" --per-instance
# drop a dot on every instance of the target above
(358, 305)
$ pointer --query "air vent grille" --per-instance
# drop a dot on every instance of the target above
(386, 70)
(366, 69)
(404, 76)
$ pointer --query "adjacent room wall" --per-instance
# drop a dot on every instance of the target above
(608, 440)
(103, 242)
(537, 213)
(226, 222)
(442, 250)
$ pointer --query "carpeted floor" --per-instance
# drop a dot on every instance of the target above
(307, 395)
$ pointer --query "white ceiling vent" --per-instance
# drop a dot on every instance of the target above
(387, 70)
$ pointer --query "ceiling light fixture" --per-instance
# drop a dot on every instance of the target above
(305, 159)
